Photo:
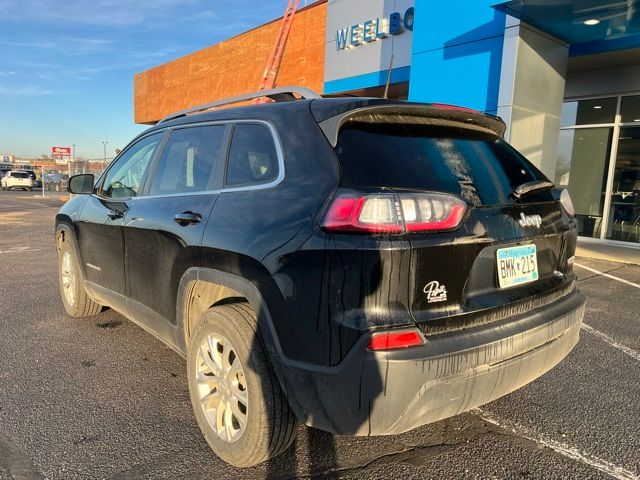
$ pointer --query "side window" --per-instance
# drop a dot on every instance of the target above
(188, 159)
(124, 177)
(252, 157)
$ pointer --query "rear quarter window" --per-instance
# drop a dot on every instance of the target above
(480, 167)
(253, 158)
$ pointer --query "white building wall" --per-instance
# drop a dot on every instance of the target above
(371, 56)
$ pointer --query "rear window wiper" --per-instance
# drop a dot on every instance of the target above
(530, 187)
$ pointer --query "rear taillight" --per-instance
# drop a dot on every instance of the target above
(395, 340)
(394, 213)
(567, 204)
(364, 213)
(431, 212)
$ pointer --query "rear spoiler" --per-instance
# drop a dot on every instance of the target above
(441, 115)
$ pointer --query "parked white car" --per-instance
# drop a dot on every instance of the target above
(16, 179)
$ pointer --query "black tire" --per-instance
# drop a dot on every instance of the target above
(82, 305)
(270, 424)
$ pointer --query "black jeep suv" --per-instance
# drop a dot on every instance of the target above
(364, 266)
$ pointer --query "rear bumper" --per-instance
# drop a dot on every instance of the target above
(19, 185)
(381, 393)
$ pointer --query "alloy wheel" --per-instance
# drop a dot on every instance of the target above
(68, 278)
(222, 388)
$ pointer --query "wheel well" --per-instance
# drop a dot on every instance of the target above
(203, 295)
(60, 238)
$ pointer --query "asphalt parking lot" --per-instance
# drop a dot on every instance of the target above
(100, 398)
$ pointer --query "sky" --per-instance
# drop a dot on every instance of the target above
(67, 66)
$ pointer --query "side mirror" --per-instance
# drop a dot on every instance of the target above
(81, 184)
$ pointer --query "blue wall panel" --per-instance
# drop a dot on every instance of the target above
(457, 53)
(373, 79)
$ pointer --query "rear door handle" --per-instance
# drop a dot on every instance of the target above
(115, 214)
(187, 218)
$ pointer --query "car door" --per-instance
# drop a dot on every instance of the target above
(163, 228)
(99, 226)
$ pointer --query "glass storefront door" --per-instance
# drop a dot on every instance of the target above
(582, 168)
(599, 163)
(624, 211)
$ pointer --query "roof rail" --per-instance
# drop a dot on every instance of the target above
(280, 94)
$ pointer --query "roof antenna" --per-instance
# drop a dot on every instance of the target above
(386, 87)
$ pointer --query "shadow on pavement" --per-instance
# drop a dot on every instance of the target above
(312, 455)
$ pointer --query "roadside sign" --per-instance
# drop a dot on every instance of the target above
(60, 152)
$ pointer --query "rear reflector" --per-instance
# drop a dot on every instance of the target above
(394, 213)
(395, 340)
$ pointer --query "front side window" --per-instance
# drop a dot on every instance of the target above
(124, 178)
(188, 159)
(252, 157)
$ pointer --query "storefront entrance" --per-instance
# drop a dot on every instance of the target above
(599, 163)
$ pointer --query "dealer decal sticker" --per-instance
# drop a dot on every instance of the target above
(435, 292)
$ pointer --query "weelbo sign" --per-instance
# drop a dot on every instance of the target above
(374, 29)
(61, 151)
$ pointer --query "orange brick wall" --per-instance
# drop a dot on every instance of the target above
(234, 67)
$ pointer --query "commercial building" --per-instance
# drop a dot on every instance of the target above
(563, 74)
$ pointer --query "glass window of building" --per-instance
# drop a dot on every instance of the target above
(630, 109)
(589, 112)
(624, 214)
(583, 156)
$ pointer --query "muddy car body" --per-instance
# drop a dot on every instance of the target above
(396, 264)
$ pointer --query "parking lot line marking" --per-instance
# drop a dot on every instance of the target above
(568, 451)
(606, 338)
(19, 250)
(593, 270)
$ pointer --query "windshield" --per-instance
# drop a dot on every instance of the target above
(479, 167)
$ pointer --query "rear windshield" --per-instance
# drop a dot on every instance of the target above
(20, 174)
(479, 167)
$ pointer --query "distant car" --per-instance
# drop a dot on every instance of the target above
(47, 179)
(56, 182)
(16, 179)
(36, 183)
(3, 171)
(34, 178)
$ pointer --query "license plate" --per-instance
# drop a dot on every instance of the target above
(517, 265)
